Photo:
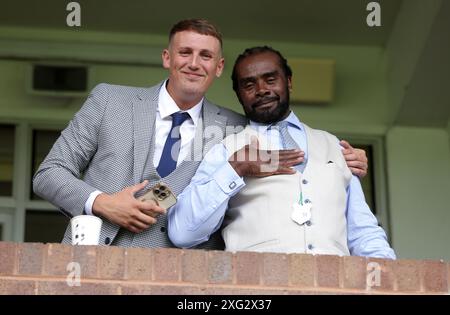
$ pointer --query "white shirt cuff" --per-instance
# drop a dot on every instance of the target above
(90, 202)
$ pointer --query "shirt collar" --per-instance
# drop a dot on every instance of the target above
(292, 119)
(167, 106)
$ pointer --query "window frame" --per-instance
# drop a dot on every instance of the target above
(4, 199)
(379, 175)
(13, 208)
(6, 221)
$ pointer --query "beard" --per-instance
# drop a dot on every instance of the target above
(272, 115)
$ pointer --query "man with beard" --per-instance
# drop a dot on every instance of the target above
(313, 204)
(124, 140)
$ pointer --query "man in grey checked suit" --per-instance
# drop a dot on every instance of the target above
(110, 151)
(113, 139)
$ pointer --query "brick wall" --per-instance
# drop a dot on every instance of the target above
(34, 268)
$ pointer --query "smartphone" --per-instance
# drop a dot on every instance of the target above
(161, 194)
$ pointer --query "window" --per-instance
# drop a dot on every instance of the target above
(374, 184)
(60, 78)
(7, 133)
(43, 141)
(1, 232)
(45, 226)
(367, 183)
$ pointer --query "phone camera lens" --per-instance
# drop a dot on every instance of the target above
(162, 188)
(156, 191)
(163, 195)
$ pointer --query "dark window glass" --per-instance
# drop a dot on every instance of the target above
(59, 78)
(6, 159)
(368, 182)
(45, 226)
(43, 141)
(1, 232)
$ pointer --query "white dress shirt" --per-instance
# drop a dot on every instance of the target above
(163, 124)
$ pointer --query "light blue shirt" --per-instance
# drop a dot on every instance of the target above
(201, 206)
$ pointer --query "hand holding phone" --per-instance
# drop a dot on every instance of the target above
(161, 195)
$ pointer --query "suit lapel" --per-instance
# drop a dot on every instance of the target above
(144, 116)
(210, 131)
(213, 125)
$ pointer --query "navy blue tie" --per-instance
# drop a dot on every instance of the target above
(169, 156)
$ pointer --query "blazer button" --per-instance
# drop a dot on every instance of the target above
(308, 223)
(107, 240)
(163, 229)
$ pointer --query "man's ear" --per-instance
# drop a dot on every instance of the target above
(220, 66)
(166, 58)
(289, 82)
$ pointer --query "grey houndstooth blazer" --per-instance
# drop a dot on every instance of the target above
(109, 145)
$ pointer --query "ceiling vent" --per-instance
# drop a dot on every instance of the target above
(59, 80)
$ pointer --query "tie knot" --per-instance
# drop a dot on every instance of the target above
(280, 125)
(178, 118)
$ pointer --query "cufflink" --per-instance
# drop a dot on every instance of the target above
(232, 185)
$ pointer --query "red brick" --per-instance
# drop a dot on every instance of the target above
(30, 258)
(301, 292)
(275, 269)
(301, 270)
(194, 266)
(355, 272)
(220, 267)
(337, 291)
(86, 256)
(7, 258)
(139, 264)
(170, 290)
(111, 262)
(383, 281)
(248, 267)
(217, 290)
(166, 264)
(327, 271)
(448, 276)
(261, 291)
(434, 275)
(85, 288)
(223, 291)
(57, 259)
(136, 289)
(17, 287)
(407, 273)
(196, 290)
